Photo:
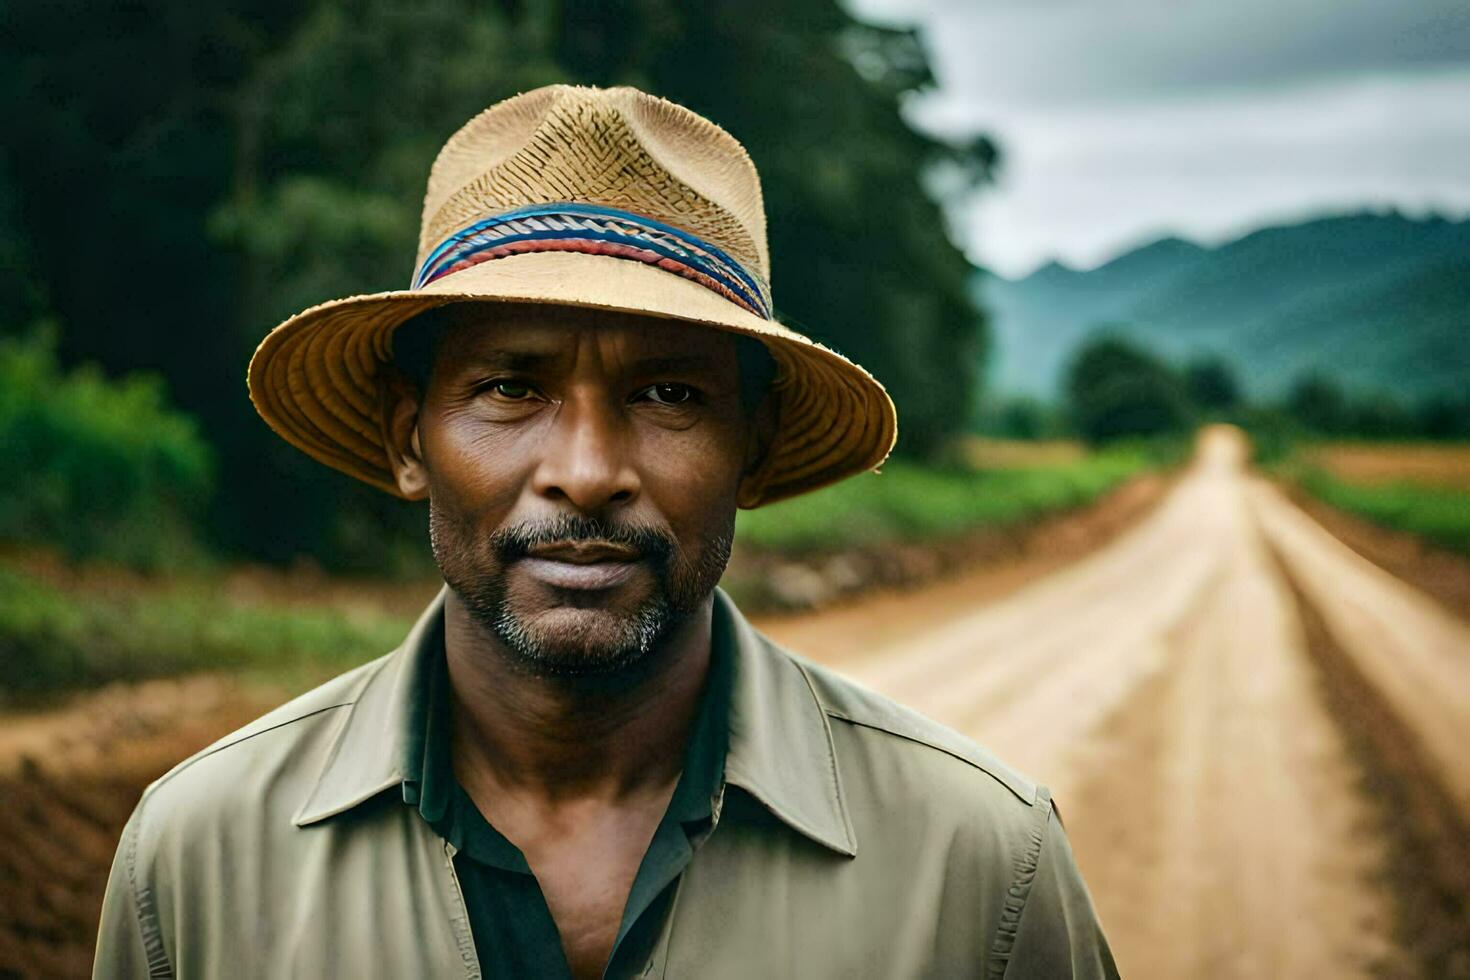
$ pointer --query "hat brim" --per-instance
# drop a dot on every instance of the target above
(314, 378)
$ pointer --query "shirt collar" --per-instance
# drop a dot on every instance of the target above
(430, 784)
(780, 746)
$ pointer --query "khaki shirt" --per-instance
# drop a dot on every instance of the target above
(512, 925)
(853, 838)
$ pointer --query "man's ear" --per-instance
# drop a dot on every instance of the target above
(761, 434)
(399, 421)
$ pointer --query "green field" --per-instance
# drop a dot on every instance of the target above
(54, 639)
(1438, 514)
(912, 503)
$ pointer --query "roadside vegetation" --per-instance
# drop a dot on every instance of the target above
(907, 503)
(1402, 466)
(110, 475)
(100, 468)
(53, 638)
(1422, 489)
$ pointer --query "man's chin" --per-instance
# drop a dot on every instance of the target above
(574, 640)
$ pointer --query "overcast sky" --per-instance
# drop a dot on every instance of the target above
(1123, 120)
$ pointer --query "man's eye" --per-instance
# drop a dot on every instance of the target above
(509, 390)
(670, 393)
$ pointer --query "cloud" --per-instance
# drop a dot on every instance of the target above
(1040, 52)
(1127, 120)
(1083, 184)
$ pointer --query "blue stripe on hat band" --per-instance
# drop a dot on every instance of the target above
(565, 224)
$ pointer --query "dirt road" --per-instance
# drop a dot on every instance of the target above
(1187, 692)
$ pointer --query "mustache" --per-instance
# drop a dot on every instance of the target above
(515, 542)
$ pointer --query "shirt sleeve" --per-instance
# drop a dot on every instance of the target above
(1058, 934)
(123, 940)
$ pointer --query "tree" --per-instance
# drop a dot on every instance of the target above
(202, 171)
(1379, 416)
(1020, 417)
(1316, 402)
(1211, 385)
(1444, 416)
(1116, 390)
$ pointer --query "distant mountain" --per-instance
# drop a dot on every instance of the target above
(1378, 301)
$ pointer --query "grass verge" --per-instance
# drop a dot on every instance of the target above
(908, 503)
(52, 640)
(1438, 514)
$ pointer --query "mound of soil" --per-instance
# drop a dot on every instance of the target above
(69, 778)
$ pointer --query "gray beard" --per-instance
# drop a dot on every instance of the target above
(637, 636)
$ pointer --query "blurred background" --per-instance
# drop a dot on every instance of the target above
(1173, 298)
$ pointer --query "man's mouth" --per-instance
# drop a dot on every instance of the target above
(585, 565)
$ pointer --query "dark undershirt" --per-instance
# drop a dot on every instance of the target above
(515, 935)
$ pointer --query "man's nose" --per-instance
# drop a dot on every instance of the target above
(586, 462)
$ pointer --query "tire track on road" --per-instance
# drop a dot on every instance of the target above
(1428, 841)
(1409, 648)
(1221, 826)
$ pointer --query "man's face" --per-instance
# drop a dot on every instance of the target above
(582, 470)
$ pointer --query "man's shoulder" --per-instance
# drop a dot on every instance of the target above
(933, 808)
(927, 750)
(273, 756)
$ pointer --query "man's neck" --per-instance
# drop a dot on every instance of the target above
(563, 738)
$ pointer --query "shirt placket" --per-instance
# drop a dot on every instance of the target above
(658, 959)
(459, 921)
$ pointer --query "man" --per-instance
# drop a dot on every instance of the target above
(584, 761)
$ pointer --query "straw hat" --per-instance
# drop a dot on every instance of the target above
(603, 198)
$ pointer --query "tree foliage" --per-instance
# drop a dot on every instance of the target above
(1321, 406)
(1317, 402)
(194, 173)
(1212, 385)
(1116, 390)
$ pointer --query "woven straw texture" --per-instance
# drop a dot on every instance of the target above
(314, 378)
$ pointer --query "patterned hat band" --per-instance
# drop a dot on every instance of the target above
(571, 227)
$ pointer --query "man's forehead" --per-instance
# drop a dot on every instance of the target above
(548, 331)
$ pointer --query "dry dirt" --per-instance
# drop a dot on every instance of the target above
(1446, 465)
(1251, 731)
(68, 780)
(999, 453)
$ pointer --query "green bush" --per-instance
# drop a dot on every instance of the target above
(98, 468)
